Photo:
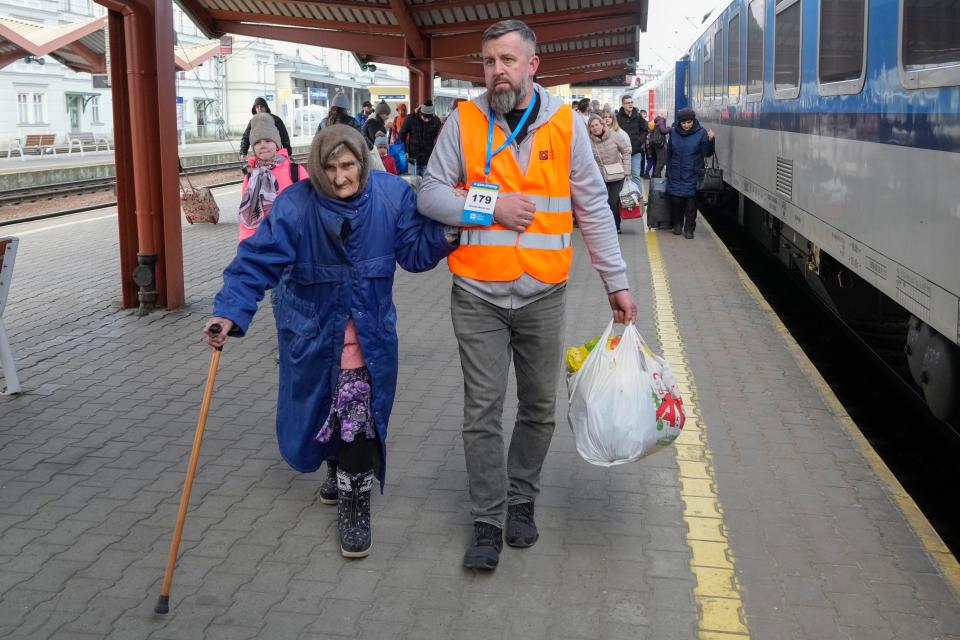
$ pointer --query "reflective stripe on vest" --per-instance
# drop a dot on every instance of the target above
(505, 238)
(544, 250)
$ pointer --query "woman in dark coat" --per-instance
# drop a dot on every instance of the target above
(375, 124)
(339, 113)
(329, 250)
(260, 106)
(689, 145)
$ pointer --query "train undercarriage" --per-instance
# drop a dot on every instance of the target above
(921, 356)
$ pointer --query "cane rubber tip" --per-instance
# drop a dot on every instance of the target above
(215, 328)
(163, 605)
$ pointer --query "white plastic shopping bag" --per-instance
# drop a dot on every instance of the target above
(624, 402)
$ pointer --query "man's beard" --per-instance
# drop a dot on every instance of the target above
(505, 100)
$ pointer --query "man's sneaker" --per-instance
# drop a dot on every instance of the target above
(677, 229)
(484, 550)
(521, 529)
(688, 234)
(328, 490)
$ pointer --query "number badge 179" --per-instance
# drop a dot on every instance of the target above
(481, 200)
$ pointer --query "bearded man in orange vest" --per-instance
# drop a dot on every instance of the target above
(528, 165)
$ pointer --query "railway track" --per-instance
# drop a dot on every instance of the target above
(60, 190)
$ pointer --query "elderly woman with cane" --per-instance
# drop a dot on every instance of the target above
(329, 249)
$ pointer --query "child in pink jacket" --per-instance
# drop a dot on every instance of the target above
(271, 171)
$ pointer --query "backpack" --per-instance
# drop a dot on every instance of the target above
(294, 172)
(657, 138)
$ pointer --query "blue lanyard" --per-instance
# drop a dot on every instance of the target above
(513, 134)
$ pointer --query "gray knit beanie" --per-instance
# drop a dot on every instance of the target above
(340, 100)
(262, 127)
(383, 109)
(381, 139)
(336, 137)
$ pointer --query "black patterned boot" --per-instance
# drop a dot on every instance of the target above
(353, 513)
(328, 490)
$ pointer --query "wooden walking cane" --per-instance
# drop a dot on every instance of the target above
(163, 603)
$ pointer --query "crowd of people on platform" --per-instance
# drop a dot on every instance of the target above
(326, 239)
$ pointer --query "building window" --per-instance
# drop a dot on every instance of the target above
(39, 107)
(733, 59)
(930, 34)
(718, 64)
(23, 108)
(755, 48)
(95, 109)
(786, 50)
(842, 40)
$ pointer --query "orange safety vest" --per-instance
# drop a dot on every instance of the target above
(544, 250)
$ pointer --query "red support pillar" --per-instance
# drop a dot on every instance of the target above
(126, 205)
(148, 32)
(421, 82)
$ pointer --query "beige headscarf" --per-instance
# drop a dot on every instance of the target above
(325, 143)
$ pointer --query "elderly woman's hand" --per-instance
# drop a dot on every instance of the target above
(216, 340)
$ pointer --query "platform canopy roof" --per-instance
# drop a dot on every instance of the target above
(79, 46)
(577, 39)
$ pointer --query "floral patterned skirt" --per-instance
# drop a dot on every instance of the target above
(351, 411)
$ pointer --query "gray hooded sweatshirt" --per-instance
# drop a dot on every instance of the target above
(436, 200)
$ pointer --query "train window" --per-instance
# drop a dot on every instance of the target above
(841, 59)
(707, 75)
(929, 46)
(733, 59)
(718, 64)
(786, 48)
(755, 48)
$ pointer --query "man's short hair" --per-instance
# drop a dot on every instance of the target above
(504, 27)
(584, 104)
(625, 97)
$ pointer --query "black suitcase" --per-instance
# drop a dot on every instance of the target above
(658, 210)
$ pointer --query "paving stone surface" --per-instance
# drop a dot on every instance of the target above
(92, 458)
(821, 549)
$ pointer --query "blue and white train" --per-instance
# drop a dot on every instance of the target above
(838, 123)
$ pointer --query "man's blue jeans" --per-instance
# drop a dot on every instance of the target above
(637, 162)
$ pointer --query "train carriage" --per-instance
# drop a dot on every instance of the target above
(838, 124)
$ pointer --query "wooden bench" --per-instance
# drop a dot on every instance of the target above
(85, 138)
(8, 254)
(39, 143)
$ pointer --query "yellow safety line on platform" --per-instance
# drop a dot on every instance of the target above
(717, 594)
(932, 542)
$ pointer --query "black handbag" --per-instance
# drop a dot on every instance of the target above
(711, 180)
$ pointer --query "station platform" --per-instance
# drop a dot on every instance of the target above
(770, 518)
(35, 171)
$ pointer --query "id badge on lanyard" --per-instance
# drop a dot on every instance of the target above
(481, 201)
(482, 197)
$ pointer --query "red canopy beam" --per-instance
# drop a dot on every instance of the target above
(584, 76)
(452, 46)
(612, 52)
(357, 42)
(11, 56)
(617, 10)
(464, 70)
(416, 43)
(92, 60)
(201, 17)
(293, 21)
(550, 64)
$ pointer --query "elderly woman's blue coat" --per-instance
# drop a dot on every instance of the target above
(319, 282)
